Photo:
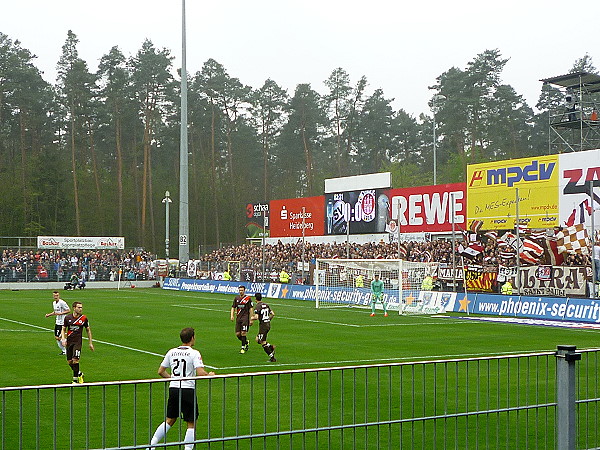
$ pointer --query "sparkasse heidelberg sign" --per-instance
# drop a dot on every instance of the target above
(290, 216)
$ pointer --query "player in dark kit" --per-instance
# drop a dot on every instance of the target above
(242, 308)
(264, 314)
(71, 338)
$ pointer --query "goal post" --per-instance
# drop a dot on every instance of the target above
(347, 282)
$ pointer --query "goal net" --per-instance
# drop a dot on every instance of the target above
(347, 282)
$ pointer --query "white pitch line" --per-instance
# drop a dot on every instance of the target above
(278, 316)
(379, 360)
(95, 340)
(22, 331)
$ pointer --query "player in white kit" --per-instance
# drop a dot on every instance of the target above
(61, 309)
(183, 361)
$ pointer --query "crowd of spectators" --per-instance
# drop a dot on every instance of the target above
(61, 265)
(104, 265)
(288, 256)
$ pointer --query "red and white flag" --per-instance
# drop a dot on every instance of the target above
(529, 258)
(579, 214)
(473, 249)
(552, 254)
(523, 229)
(492, 235)
(532, 248)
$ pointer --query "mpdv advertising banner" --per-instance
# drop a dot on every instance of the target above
(491, 192)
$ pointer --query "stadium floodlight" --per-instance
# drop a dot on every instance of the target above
(184, 244)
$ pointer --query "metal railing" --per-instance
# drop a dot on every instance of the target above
(539, 400)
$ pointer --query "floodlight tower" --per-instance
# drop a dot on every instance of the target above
(184, 245)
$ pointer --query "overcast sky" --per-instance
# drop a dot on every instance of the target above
(400, 46)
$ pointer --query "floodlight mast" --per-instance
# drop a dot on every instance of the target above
(184, 246)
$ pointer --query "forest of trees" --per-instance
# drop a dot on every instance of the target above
(93, 154)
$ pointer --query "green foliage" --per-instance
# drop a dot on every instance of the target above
(95, 153)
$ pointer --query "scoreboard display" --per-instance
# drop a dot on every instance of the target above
(356, 212)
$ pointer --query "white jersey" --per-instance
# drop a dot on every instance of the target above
(60, 307)
(183, 362)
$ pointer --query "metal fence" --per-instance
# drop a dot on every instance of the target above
(541, 400)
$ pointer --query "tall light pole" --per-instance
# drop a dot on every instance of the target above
(166, 201)
(184, 244)
(436, 99)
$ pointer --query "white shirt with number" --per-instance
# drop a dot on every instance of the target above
(60, 307)
(183, 362)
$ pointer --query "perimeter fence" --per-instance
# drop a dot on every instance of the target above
(539, 400)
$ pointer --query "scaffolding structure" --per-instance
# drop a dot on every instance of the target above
(573, 124)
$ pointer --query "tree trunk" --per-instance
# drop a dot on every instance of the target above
(95, 170)
(214, 186)
(309, 164)
(74, 169)
(119, 172)
(22, 127)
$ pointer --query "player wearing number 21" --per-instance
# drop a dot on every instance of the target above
(184, 361)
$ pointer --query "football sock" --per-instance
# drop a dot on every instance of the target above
(189, 437)
(241, 338)
(75, 368)
(62, 348)
(373, 307)
(244, 340)
(385, 307)
(268, 348)
(160, 433)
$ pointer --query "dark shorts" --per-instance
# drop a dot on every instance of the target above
(242, 325)
(182, 403)
(57, 330)
(263, 330)
(73, 351)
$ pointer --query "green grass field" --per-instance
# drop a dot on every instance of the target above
(133, 328)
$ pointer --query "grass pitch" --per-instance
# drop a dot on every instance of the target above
(134, 328)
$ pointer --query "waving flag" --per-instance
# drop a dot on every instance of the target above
(573, 240)
(579, 213)
(529, 258)
(532, 248)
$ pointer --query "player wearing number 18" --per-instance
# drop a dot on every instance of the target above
(184, 362)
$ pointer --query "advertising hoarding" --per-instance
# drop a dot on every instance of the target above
(491, 192)
(428, 209)
(577, 170)
(257, 220)
(365, 211)
(287, 218)
(81, 243)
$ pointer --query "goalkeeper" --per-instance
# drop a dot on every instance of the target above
(377, 295)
